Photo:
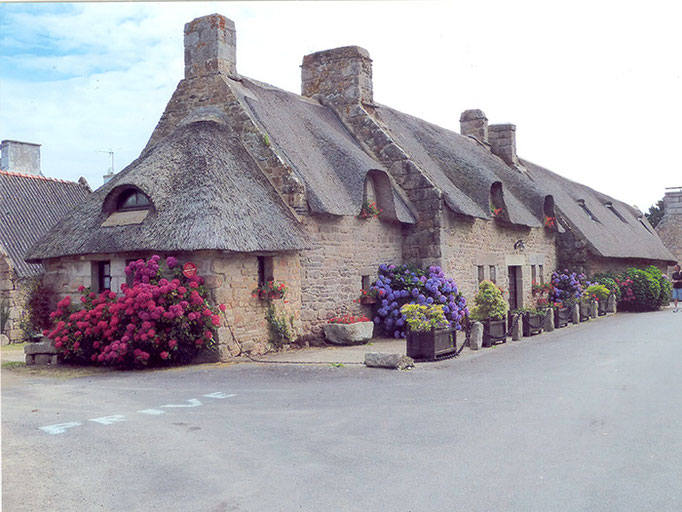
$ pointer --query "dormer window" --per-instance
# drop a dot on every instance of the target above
(610, 206)
(133, 200)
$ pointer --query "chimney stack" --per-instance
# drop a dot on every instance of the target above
(21, 157)
(210, 46)
(502, 138)
(342, 76)
(473, 123)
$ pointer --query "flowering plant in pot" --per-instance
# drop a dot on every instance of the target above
(532, 319)
(369, 210)
(270, 290)
(348, 330)
(601, 294)
(367, 296)
(490, 310)
(429, 334)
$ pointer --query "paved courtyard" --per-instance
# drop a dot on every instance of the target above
(585, 418)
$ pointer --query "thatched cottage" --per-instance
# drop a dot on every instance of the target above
(251, 182)
(30, 204)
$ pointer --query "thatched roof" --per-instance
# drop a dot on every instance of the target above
(206, 191)
(464, 169)
(619, 231)
(317, 146)
(30, 206)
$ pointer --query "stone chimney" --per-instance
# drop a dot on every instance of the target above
(672, 201)
(21, 157)
(210, 46)
(473, 123)
(342, 76)
(502, 138)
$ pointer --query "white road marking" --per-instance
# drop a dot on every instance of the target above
(219, 394)
(108, 420)
(152, 412)
(193, 402)
(59, 428)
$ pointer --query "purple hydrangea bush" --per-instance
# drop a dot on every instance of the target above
(568, 286)
(407, 284)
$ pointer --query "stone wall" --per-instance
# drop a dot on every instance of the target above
(470, 243)
(230, 278)
(596, 264)
(345, 249)
(12, 290)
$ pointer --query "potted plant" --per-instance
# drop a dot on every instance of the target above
(563, 313)
(601, 294)
(429, 334)
(532, 319)
(491, 310)
(369, 210)
(368, 297)
(585, 308)
(270, 290)
(348, 330)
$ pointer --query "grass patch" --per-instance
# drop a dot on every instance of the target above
(13, 364)
(13, 347)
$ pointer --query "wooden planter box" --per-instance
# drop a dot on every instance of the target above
(368, 300)
(532, 324)
(562, 318)
(585, 307)
(431, 344)
(602, 306)
(494, 331)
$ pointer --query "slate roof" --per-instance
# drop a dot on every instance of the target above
(207, 193)
(29, 206)
(618, 232)
(317, 146)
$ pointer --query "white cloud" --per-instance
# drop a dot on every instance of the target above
(592, 88)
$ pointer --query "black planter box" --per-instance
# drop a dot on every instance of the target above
(602, 305)
(431, 344)
(585, 311)
(562, 318)
(494, 331)
(532, 324)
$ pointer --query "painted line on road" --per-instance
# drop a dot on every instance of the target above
(61, 428)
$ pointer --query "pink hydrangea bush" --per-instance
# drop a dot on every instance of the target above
(155, 322)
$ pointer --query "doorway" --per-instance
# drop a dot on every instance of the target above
(515, 287)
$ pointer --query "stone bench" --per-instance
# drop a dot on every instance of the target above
(41, 353)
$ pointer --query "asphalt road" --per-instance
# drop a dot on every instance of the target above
(585, 418)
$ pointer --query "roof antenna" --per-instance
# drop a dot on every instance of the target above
(110, 173)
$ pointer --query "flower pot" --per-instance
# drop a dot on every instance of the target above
(585, 308)
(494, 331)
(562, 317)
(368, 300)
(602, 307)
(349, 334)
(532, 323)
(431, 344)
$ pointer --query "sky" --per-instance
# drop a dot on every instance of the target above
(594, 88)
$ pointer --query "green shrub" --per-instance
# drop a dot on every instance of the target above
(489, 302)
(666, 286)
(608, 279)
(646, 290)
(599, 291)
(424, 318)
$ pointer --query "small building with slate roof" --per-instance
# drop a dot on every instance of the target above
(30, 204)
(252, 182)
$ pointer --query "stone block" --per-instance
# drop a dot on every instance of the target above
(349, 334)
(385, 360)
(594, 309)
(611, 304)
(548, 324)
(517, 330)
(42, 347)
(30, 360)
(575, 314)
(476, 337)
(42, 359)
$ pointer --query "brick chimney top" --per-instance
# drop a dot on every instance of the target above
(342, 76)
(20, 157)
(210, 46)
(502, 138)
(474, 123)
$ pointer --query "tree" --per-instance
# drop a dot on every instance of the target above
(655, 213)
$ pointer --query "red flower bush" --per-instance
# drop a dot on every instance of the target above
(156, 321)
(348, 319)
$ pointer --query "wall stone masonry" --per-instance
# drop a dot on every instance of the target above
(670, 226)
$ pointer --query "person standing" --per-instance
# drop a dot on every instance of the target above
(677, 286)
